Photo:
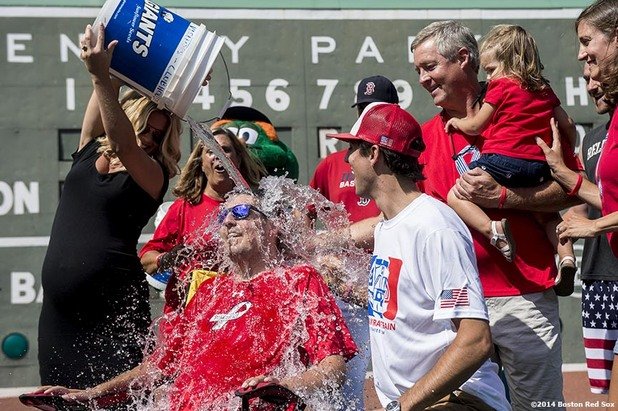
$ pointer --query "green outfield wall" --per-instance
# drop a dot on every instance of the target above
(298, 62)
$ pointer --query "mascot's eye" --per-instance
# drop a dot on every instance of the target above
(233, 130)
(248, 134)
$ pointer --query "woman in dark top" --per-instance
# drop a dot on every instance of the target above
(95, 312)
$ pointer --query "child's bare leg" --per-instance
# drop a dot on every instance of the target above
(565, 280)
(471, 214)
(496, 231)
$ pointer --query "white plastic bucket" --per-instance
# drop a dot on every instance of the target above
(159, 53)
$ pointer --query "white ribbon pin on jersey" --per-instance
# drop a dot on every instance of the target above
(237, 311)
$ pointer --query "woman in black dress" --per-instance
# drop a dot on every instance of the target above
(95, 312)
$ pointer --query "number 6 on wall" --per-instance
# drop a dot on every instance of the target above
(277, 99)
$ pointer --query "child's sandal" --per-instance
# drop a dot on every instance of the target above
(507, 250)
(565, 280)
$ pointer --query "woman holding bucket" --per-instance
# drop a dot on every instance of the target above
(95, 312)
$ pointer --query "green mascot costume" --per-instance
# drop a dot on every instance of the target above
(260, 136)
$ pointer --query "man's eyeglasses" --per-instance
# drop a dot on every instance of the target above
(239, 212)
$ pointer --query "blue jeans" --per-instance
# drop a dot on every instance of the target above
(513, 172)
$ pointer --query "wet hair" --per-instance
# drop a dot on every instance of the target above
(193, 181)
(138, 109)
(603, 16)
(516, 51)
(284, 203)
(449, 37)
(399, 164)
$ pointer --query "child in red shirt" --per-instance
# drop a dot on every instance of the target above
(517, 108)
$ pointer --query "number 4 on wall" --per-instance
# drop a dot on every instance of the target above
(204, 98)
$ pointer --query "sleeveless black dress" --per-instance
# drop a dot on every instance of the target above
(95, 312)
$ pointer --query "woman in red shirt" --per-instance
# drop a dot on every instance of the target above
(202, 187)
(596, 29)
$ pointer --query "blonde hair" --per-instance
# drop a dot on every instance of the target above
(517, 53)
(138, 109)
(193, 181)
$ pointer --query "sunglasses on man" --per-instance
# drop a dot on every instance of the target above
(239, 212)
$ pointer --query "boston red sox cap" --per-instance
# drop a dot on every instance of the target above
(376, 89)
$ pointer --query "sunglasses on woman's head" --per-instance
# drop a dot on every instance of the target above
(239, 212)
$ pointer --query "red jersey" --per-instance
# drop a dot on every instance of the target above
(607, 178)
(183, 223)
(534, 268)
(520, 116)
(278, 323)
(333, 177)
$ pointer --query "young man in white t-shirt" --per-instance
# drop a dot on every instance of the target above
(430, 338)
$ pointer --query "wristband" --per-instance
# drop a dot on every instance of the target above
(502, 198)
(578, 184)
(159, 258)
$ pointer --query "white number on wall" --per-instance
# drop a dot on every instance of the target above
(241, 97)
(204, 98)
(405, 93)
(329, 86)
(277, 98)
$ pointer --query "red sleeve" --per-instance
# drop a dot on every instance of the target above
(328, 333)
(319, 181)
(166, 234)
(496, 90)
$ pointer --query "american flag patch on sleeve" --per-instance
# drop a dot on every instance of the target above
(457, 297)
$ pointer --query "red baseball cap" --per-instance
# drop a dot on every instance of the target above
(386, 125)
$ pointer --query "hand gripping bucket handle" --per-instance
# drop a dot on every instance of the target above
(159, 53)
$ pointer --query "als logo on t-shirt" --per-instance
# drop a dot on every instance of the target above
(383, 281)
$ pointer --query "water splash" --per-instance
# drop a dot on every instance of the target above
(312, 231)
(209, 140)
(316, 230)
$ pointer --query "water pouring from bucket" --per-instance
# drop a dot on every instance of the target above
(164, 57)
(267, 313)
(206, 136)
(280, 207)
(159, 53)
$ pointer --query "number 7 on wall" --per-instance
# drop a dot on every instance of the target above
(329, 86)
